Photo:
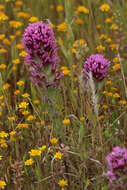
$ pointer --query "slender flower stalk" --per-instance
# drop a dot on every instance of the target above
(95, 69)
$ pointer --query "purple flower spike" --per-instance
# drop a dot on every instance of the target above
(97, 65)
(117, 166)
(41, 59)
(117, 159)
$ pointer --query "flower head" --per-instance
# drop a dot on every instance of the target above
(2, 184)
(41, 49)
(97, 65)
(63, 183)
(29, 162)
(105, 7)
(117, 159)
(116, 164)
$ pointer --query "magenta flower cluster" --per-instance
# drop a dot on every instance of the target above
(41, 48)
(97, 65)
(116, 163)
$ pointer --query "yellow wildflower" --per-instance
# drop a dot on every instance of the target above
(23, 15)
(66, 121)
(31, 118)
(103, 37)
(3, 17)
(58, 155)
(3, 51)
(3, 66)
(122, 102)
(59, 8)
(3, 143)
(33, 19)
(19, 46)
(109, 94)
(108, 40)
(18, 33)
(42, 148)
(116, 95)
(25, 112)
(62, 27)
(12, 134)
(113, 47)
(54, 141)
(22, 125)
(16, 61)
(12, 37)
(6, 86)
(108, 20)
(79, 21)
(2, 184)
(14, 68)
(23, 54)
(100, 48)
(35, 152)
(15, 24)
(114, 27)
(116, 67)
(105, 106)
(29, 162)
(20, 83)
(6, 41)
(2, 36)
(108, 82)
(82, 9)
(25, 95)
(17, 92)
(63, 183)
(115, 60)
(3, 134)
(66, 72)
(23, 105)
(105, 7)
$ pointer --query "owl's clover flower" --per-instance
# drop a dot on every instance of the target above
(117, 159)
(97, 65)
(116, 164)
(41, 60)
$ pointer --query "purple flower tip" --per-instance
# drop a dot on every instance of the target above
(97, 65)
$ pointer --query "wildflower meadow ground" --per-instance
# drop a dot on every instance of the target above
(63, 94)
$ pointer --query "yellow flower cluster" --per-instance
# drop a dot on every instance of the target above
(105, 7)
(82, 9)
(3, 17)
